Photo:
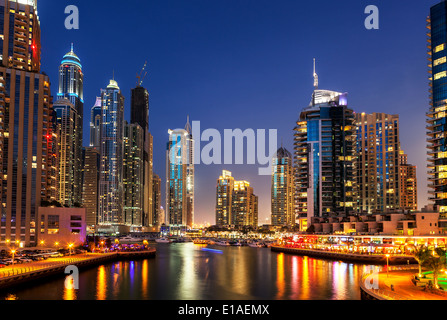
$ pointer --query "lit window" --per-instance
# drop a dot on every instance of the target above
(440, 75)
(440, 47)
(440, 61)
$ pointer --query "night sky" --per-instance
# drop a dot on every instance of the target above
(248, 64)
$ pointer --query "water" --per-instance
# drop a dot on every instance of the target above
(186, 272)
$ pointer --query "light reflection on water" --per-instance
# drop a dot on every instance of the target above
(186, 272)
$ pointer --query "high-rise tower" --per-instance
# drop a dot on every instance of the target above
(325, 157)
(71, 88)
(437, 120)
(283, 189)
(111, 191)
(27, 140)
(378, 147)
(180, 179)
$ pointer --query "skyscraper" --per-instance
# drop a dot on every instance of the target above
(71, 87)
(224, 199)
(133, 164)
(140, 116)
(378, 147)
(244, 205)
(27, 141)
(437, 121)
(180, 179)
(236, 203)
(283, 189)
(408, 191)
(111, 165)
(325, 157)
(90, 167)
(69, 182)
(95, 124)
(156, 198)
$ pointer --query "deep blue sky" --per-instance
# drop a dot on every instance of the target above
(248, 64)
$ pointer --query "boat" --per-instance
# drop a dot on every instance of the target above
(256, 245)
(223, 243)
(163, 240)
(129, 239)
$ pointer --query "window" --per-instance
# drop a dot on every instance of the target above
(440, 75)
(439, 61)
(53, 224)
(440, 47)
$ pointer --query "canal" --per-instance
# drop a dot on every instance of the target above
(192, 272)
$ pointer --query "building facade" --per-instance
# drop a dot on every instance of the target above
(325, 158)
(156, 200)
(283, 189)
(437, 120)
(95, 124)
(28, 142)
(111, 191)
(408, 191)
(91, 165)
(236, 203)
(140, 115)
(71, 88)
(133, 175)
(378, 176)
(70, 172)
(180, 179)
(225, 187)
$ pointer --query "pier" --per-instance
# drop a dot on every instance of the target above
(19, 274)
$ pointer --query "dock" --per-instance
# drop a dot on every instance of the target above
(23, 273)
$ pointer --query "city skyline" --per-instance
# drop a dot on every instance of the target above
(193, 75)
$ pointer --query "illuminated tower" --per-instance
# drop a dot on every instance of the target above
(111, 165)
(408, 191)
(325, 157)
(225, 187)
(70, 171)
(71, 87)
(378, 146)
(133, 164)
(437, 120)
(283, 189)
(180, 179)
(27, 141)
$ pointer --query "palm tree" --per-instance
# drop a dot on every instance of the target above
(421, 254)
(436, 262)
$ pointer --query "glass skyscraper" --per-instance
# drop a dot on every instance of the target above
(180, 179)
(437, 120)
(71, 87)
(325, 158)
(111, 191)
(95, 124)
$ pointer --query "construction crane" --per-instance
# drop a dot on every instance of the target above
(142, 75)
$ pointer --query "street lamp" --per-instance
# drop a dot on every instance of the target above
(387, 264)
(70, 246)
(42, 243)
(56, 244)
(13, 253)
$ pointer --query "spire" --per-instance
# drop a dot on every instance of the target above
(315, 76)
(188, 126)
(72, 49)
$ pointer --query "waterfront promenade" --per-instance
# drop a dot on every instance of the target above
(395, 284)
(13, 275)
(379, 259)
